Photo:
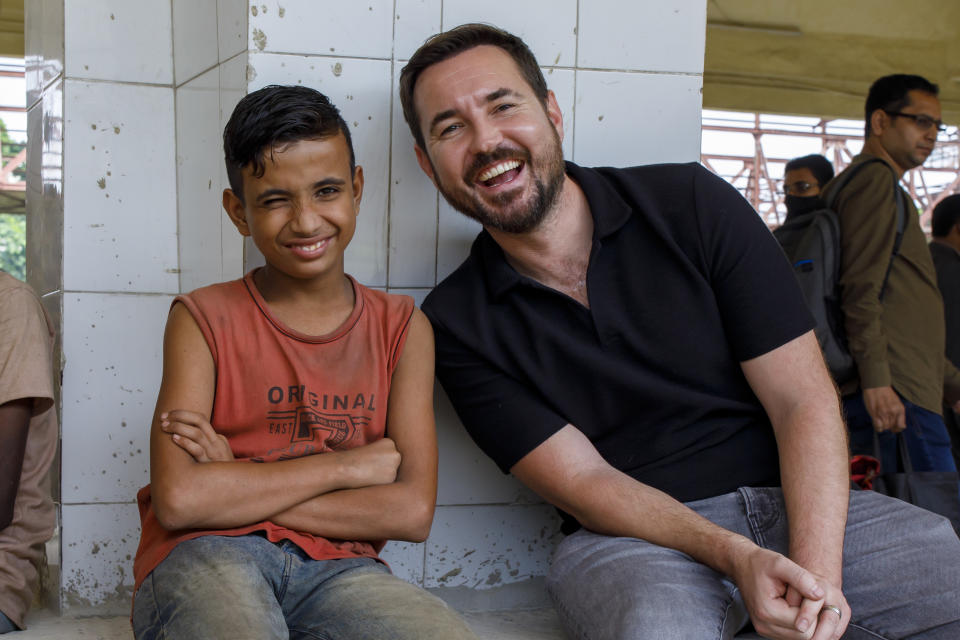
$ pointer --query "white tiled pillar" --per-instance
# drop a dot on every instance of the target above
(138, 93)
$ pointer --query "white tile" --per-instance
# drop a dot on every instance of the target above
(98, 543)
(112, 344)
(118, 40)
(120, 188)
(455, 235)
(466, 476)
(549, 27)
(231, 28)
(413, 212)
(405, 560)
(650, 36)
(414, 22)
(490, 546)
(233, 86)
(332, 27)
(43, 45)
(361, 90)
(199, 157)
(195, 35)
(626, 119)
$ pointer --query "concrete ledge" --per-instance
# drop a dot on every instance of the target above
(537, 624)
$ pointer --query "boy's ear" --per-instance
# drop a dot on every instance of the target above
(424, 161)
(357, 188)
(236, 211)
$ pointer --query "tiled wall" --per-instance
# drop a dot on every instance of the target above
(136, 95)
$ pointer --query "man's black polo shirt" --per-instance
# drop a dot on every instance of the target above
(684, 283)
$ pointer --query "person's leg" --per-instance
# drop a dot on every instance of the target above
(901, 572)
(952, 422)
(213, 587)
(927, 440)
(358, 598)
(607, 588)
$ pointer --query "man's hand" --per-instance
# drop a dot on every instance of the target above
(885, 409)
(195, 435)
(786, 602)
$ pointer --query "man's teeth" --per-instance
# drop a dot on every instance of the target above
(493, 172)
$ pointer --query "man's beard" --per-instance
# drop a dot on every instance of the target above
(547, 178)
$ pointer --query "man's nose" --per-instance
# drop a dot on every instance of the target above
(486, 136)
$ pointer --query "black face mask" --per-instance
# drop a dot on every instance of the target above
(797, 205)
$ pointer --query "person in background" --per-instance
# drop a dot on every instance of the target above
(945, 250)
(892, 308)
(803, 178)
(28, 445)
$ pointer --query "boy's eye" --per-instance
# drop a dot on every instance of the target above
(273, 202)
(328, 191)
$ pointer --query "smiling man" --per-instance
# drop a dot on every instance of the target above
(631, 344)
(893, 311)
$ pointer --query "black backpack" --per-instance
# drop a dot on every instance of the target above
(812, 243)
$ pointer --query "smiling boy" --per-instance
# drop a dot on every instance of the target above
(294, 431)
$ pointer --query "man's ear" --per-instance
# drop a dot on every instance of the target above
(554, 113)
(424, 161)
(236, 211)
(879, 121)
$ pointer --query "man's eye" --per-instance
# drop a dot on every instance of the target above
(504, 107)
(449, 129)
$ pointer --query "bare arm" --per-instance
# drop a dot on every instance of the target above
(189, 494)
(801, 400)
(14, 427)
(567, 471)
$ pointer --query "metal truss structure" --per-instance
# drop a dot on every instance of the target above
(759, 177)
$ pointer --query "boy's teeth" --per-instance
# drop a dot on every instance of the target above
(493, 172)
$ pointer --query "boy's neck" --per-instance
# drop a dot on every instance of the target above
(312, 307)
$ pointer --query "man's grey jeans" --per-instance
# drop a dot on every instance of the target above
(901, 575)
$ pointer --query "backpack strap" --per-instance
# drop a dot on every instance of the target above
(829, 199)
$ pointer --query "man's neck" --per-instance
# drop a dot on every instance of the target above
(557, 252)
(873, 146)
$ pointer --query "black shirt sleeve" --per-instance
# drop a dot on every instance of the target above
(760, 302)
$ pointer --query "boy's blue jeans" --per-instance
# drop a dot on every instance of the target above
(901, 575)
(248, 587)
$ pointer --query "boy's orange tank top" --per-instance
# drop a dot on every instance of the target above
(281, 394)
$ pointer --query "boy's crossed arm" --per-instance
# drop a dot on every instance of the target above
(386, 489)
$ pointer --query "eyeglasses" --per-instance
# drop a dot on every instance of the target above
(922, 121)
(795, 188)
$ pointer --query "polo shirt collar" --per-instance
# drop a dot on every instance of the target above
(609, 210)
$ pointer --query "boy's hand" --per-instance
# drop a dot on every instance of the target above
(371, 464)
(195, 435)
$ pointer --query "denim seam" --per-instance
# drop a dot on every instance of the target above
(309, 633)
(568, 618)
(726, 613)
(748, 509)
(865, 630)
(156, 608)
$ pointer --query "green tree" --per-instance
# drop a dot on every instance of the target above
(9, 148)
(13, 241)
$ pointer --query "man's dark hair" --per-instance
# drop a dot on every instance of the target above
(272, 117)
(890, 94)
(945, 215)
(447, 44)
(820, 167)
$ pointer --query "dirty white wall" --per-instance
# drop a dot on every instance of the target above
(126, 104)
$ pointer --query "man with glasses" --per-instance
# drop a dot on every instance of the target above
(893, 312)
(803, 179)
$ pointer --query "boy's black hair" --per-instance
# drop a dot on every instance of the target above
(272, 117)
(945, 215)
(889, 93)
(447, 44)
(819, 166)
